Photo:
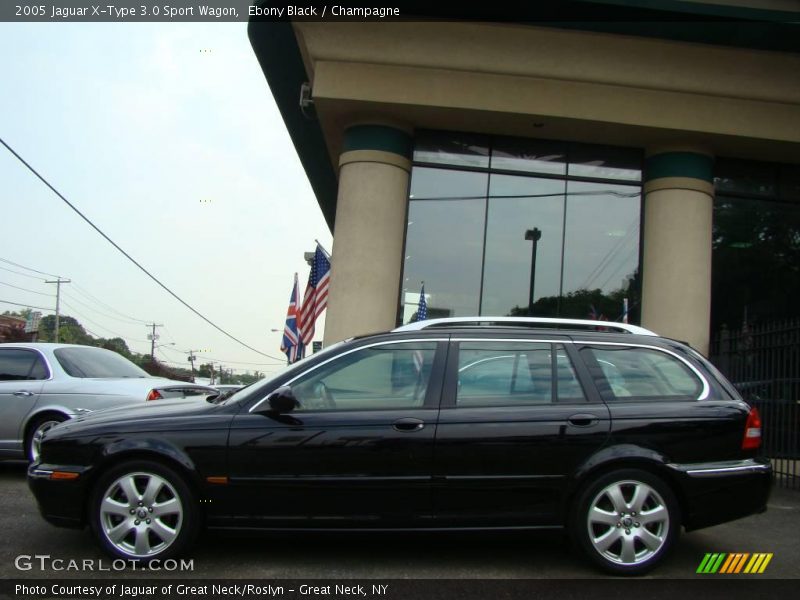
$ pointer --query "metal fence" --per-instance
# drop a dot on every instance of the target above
(763, 362)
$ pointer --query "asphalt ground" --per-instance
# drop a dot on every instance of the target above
(387, 556)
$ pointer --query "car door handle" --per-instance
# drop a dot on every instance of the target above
(408, 424)
(583, 420)
(25, 393)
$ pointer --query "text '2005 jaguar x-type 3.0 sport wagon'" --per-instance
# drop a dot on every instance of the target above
(607, 430)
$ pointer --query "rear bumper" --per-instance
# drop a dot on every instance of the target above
(61, 501)
(715, 493)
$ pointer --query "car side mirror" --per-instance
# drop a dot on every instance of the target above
(282, 400)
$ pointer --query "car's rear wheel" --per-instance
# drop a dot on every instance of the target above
(36, 430)
(142, 511)
(626, 521)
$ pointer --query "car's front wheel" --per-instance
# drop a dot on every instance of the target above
(626, 521)
(143, 510)
(36, 430)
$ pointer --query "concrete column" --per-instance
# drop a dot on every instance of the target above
(676, 285)
(368, 235)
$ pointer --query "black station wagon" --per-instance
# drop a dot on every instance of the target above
(607, 430)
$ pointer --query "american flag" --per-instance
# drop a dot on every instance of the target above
(422, 307)
(292, 344)
(316, 297)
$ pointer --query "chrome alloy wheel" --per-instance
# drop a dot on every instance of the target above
(36, 438)
(141, 514)
(628, 522)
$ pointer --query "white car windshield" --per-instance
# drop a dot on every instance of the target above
(96, 363)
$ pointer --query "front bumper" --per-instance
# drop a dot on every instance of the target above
(61, 502)
(719, 492)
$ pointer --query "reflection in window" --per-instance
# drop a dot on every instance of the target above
(466, 236)
(513, 374)
(534, 156)
(444, 246)
(507, 271)
(374, 378)
(641, 374)
(451, 148)
(601, 254)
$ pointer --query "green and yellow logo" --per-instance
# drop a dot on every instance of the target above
(734, 563)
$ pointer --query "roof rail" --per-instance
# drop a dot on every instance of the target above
(524, 322)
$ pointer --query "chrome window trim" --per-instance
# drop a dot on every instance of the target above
(41, 354)
(332, 358)
(705, 392)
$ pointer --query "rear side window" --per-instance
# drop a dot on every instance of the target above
(21, 365)
(88, 362)
(631, 373)
(514, 374)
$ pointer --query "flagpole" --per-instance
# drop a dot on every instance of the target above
(321, 247)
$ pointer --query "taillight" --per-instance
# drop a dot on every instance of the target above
(752, 431)
(154, 395)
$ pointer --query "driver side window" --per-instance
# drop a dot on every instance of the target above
(388, 376)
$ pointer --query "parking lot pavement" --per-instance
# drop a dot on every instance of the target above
(434, 555)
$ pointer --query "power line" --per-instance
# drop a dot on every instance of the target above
(74, 299)
(26, 290)
(22, 274)
(130, 258)
(86, 294)
(235, 362)
(17, 264)
(25, 305)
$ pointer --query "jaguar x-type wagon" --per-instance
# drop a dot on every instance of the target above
(607, 430)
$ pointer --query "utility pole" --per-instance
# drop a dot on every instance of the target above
(58, 283)
(532, 235)
(153, 337)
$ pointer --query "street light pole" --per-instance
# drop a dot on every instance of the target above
(532, 235)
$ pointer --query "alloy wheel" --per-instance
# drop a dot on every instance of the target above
(141, 514)
(36, 438)
(628, 522)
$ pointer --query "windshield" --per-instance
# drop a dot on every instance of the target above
(89, 362)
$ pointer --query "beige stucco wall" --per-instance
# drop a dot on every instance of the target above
(367, 244)
(676, 266)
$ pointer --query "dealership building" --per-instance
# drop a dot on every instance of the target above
(643, 166)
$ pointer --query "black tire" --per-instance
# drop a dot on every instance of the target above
(37, 426)
(144, 535)
(617, 537)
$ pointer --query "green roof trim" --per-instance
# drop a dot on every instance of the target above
(378, 137)
(679, 164)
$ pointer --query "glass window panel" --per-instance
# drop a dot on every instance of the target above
(451, 148)
(534, 156)
(789, 182)
(642, 374)
(20, 365)
(755, 261)
(744, 177)
(444, 246)
(380, 377)
(601, 256)
(606, 162)
(506, 285)
(427, 183)
(569, 388)
(504, 374)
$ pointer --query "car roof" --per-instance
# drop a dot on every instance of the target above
(47, 345)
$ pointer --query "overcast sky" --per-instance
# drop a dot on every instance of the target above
(167, 137)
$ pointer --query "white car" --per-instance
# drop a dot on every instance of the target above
(42, 385)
